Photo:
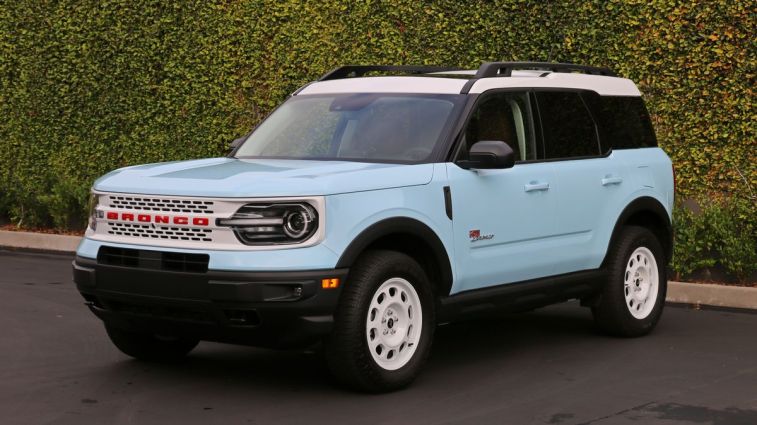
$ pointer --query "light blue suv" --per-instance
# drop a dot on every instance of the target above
(367, 209)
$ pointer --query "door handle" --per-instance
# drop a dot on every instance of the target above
(608, 180)
(533, 186)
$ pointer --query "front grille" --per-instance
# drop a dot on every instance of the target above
(155, 260)
(161, 204)
(160, 232)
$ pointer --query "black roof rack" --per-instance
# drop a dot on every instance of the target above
(360, 70)
(486, 70)
(505, 69)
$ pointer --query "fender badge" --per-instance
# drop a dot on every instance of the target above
(475, 236)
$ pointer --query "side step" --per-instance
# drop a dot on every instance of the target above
(521, 296)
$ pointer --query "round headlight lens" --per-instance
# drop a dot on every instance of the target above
(297, 223)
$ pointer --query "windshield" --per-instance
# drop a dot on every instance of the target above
(359, 127)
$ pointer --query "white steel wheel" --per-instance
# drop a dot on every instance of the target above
(641, 283)
(393, 324)
(631, 301)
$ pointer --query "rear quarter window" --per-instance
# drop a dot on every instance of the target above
(625, 123)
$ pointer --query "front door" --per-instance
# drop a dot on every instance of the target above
(503, 220)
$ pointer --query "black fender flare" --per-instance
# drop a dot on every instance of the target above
(645, 204)
(400, 226)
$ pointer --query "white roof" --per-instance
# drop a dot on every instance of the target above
(409, 84)
(604, 85)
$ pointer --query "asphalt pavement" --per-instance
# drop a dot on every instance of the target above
(550, 366)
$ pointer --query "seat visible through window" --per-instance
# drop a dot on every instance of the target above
(504, 117)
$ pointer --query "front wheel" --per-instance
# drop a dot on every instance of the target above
(384, 323)
(633, 296)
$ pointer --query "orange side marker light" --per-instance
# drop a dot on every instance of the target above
(330, 283)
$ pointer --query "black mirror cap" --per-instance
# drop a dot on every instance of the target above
(489, 154)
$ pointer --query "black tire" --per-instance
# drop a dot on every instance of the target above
(347, 350)
(612, 313)
(149, 347)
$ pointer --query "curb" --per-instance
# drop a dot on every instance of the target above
(39, 241)
(696, 294)
(741, 297)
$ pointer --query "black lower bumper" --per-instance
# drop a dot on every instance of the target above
(271, 309)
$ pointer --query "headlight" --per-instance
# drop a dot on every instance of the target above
(93, 200)
(273, 224)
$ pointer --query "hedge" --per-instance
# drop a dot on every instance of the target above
(87, 86)
(715, 235)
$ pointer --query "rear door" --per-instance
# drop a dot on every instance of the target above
(588, 185)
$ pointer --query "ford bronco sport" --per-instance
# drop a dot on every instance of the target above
(367, 209)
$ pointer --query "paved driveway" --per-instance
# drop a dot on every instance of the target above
(545, 367)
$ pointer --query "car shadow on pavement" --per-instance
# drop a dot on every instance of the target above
(470, 342)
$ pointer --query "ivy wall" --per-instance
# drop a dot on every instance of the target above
(87, 86)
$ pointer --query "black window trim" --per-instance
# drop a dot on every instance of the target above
(448, 149)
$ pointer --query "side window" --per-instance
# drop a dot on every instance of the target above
(625, 123)
(568, 128)
(505, 117)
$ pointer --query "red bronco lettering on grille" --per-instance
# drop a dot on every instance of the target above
(159, 219)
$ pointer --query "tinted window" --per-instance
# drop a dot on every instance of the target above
(568, 128)
(505, 117)
(625, 123)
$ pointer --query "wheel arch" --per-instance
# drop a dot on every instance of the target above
(409, 236)
(648, 212)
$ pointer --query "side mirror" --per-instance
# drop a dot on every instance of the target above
(489, 154)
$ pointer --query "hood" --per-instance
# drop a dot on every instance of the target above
(242, 178)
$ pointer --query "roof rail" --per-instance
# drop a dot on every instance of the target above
(360, 70)
(505, 69)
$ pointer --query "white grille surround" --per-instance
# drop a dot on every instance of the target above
(150, 220)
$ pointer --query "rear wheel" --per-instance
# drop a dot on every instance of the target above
(384, 323)
(150, 347)
(633, 296)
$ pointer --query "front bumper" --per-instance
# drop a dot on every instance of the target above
(271, 309)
